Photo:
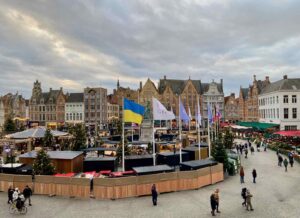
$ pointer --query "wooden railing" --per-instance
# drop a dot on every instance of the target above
(115, 188)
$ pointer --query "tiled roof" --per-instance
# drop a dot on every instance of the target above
(178, 86)
(75, 97)
(282, 85)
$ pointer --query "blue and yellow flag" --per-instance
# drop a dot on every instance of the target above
(133, 112)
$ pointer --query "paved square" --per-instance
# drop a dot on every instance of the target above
(276, 194)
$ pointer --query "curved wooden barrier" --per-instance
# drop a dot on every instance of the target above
(44, 185)
(6, 180)
(115, 188)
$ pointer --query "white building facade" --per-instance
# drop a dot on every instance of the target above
(113, 112)
(279, 103)
(74, 108)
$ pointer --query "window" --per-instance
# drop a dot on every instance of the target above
(277, 99)
(286, 113)
(67, 116)
(277, 113)
(294, 99)
(285, 99)
(287, 128)
(294, 110)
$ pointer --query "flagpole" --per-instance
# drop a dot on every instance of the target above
(123, 141)
(153, 142)
(180, 128)
(131, 132)
(198, 128)
(208, 132)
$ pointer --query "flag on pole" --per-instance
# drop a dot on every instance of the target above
(190, 115)
(198, 114)
(209, 114)
(160, 112)
(218, 112)
(183, 114)
(133, 112)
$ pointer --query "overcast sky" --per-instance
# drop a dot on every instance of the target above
(82, 43)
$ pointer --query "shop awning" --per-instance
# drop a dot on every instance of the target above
(258, 125)
(37, 132)
(292, 133)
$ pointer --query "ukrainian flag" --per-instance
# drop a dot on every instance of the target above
(133, 112)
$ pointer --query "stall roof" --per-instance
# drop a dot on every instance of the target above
(152, 169)
(199, 163)
(64, 155)
(100, 159)
(170, 153)
(258, 125)
(293, 133)
(132, 157)
(38, 132)
(99, 149)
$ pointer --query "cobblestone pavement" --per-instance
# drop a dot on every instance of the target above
(276, 194)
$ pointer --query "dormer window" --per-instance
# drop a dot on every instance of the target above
(51, 101)
(42, 101)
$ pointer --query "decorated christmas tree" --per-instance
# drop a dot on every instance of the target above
(42, 164)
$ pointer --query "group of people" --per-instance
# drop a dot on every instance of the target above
(15, 196)
(246, 195)
(285, 161)
(242, 175)
(240, 148)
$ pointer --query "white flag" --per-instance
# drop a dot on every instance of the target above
(160, 112)
(198, 114)
(190, 115)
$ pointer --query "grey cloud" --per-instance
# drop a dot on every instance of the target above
(139, 39)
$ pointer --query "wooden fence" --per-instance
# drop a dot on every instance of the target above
(116, 188)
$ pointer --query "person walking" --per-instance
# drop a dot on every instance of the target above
(27, 192)
(213, 204)
(277, 151)
(217, 198)
(248, 200)
(291, 160)
(285, 163)
(10, 193)
(241, 149)
(242, 174)
(254, 175)
(280, 159)
(246, 153)
(252, 149)
(154, 195)
(244, 195)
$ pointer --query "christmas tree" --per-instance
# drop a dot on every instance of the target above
(42, 164)
(219, 152)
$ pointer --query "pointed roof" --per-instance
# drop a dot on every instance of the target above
(283, 85)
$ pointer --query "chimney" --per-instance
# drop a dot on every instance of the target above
(165, 77)
(221, 80)
(50, 89)
(232, 95)
(141, 85)
(61, 88)
(285, 77)
(254, 77)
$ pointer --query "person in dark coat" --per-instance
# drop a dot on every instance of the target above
(213, 204)
(280, 159)
(246, 153)
(154, 195)
(254, 175)
(242, 174)
(10, 193)
(252, 149)
(27, 192)
(217, 198)
(285, 163)
(244, 191)
(291, 160)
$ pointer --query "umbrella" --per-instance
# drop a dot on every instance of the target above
(38, 132)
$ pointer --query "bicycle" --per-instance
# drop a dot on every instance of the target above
(14, 210)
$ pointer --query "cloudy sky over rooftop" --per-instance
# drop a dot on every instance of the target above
(82, 43)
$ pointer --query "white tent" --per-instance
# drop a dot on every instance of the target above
(37, 132)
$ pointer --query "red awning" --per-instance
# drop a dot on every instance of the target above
(295, 133)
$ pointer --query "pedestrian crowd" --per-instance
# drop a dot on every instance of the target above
(18, 197)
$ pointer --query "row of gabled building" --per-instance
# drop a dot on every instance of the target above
(262, 101)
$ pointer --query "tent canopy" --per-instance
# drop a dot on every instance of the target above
(293, 133)
(37, 132)
(258, 125)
